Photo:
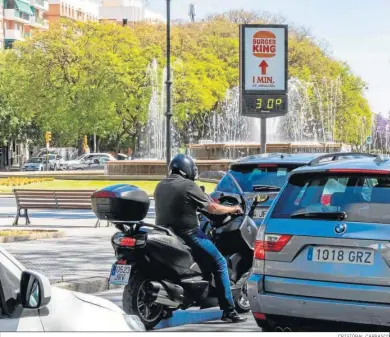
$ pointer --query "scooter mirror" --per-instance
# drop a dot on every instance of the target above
(261, 198)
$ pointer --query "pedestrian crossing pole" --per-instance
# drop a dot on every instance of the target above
(48, 140)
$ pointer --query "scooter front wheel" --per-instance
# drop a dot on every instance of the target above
(135, 302)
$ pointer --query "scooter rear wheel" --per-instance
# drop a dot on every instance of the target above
(136, 303)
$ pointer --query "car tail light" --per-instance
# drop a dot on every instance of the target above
(127, 242)
(325, 199)
(104, 194)
(259, 316)
(272, 243)
(121, 262)
(359, 171)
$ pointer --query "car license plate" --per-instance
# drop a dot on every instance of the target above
(341, 255)
(120, 274)
(260, 213)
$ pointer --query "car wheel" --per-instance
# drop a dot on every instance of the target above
(242, 303)
(136, 303)
(79, 169)
(265, 326)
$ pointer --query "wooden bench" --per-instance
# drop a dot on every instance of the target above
(50, 199)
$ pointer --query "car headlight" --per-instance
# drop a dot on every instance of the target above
(134, 323)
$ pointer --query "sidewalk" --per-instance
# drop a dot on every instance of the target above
(82, 258)
(80, 261)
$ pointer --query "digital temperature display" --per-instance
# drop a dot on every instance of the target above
(264, 105)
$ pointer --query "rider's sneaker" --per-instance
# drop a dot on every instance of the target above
(232, 316)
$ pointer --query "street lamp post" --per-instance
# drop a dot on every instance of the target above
(168, 85)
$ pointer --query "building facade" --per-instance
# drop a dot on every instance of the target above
(126, 12)
(20, 19)
(80, 10)
(1, 25)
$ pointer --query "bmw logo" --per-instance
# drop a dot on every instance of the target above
(340, 228)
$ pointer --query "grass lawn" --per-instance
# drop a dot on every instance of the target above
(147, 186)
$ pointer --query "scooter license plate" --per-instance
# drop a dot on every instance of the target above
(120, 274)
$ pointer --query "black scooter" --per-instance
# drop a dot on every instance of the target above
(157, 268)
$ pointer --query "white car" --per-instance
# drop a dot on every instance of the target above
(29, 303)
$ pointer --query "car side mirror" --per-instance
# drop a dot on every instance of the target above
(35, 290)
(203, 188)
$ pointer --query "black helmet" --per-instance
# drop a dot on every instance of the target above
(184, 166)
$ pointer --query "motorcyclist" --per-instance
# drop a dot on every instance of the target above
(177, 200)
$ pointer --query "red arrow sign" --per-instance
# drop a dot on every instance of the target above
(263, 65)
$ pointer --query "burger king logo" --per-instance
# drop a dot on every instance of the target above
(264, 44)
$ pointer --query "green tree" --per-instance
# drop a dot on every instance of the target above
(84, 78)
(89, 78)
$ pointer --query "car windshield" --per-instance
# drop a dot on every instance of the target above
(354, 197)
(260, 177)
(35, 160)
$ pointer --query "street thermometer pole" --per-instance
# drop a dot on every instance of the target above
(48, 140)
(168, 87)
(263, 74)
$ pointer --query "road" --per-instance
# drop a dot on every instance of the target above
(44, 256)
(84, 252)
(193, 320)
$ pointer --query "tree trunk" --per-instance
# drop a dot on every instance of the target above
(118, 145)
(133, 143)
(98, 144)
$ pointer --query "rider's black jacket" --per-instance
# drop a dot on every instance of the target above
(176, 203)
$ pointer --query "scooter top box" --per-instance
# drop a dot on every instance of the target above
(120, 203)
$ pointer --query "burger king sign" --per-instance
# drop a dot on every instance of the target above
(264, 57)
(264, 44)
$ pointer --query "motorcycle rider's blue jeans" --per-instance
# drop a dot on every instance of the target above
(211, 260)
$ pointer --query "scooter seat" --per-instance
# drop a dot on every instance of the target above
(183, 243)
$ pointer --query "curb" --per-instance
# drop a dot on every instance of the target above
(87, 285)
(44, 234)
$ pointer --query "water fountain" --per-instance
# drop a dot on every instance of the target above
(308, 127)
(152, 144)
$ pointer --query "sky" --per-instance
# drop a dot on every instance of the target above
(356, 31)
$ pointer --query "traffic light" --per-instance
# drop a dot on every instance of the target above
(85, 142)
(48, 137)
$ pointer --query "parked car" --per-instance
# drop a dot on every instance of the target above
(266, 175)
(91, 164)
(29, 303)
(54, 161)
(322, 252)
(35, 164)
(70, 163)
